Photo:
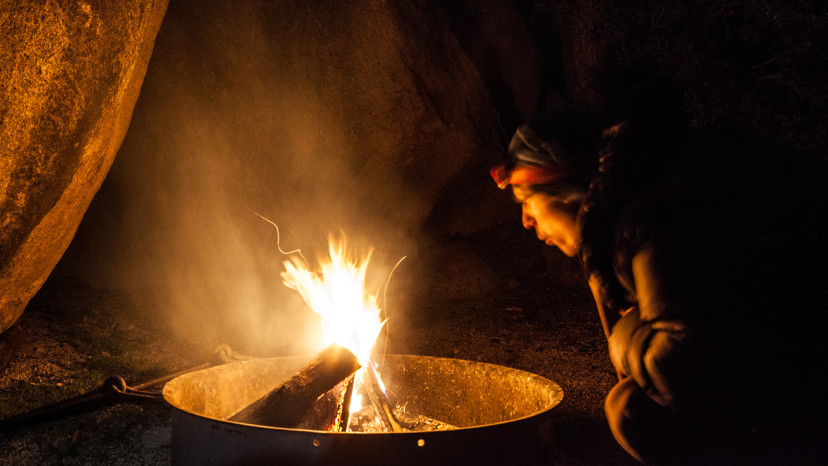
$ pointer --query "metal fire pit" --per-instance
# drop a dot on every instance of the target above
(503, 416)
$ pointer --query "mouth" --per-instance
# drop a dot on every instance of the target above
(547, 239)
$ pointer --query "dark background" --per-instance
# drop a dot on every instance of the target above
(495, 294)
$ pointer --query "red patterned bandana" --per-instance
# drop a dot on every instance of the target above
(526, 174)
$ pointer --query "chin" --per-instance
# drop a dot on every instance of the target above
(567, 250)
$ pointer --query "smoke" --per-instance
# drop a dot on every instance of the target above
(236, 117)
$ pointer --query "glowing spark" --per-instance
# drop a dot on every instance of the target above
(279, 239)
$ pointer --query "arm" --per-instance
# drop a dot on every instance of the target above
(608, 317)
(650, 343)
(646, 347)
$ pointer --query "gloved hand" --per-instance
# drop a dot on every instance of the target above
(627, 343)
(655, 354)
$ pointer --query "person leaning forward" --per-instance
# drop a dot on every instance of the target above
(704, 250)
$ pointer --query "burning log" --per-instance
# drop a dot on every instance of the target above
(330, 411)
(345, 413)
(288, 404)
(376, 415)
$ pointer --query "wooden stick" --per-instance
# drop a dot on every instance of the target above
(345, 415)
(286, 405)
(326, 413)
(380, 402)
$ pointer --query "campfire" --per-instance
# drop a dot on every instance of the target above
(347, 405)
(451, 411)
(344, 405)
(340, 390)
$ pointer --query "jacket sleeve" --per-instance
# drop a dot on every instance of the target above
(651, 343)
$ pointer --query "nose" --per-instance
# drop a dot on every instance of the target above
(528, 219)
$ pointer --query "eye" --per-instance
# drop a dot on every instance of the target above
(525, 200)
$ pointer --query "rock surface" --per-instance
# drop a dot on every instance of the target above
(366, 117)
(70, 73)
(354, 115)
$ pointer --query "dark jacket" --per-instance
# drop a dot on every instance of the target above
(707, 258)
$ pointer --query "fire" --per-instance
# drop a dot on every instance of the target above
(350, 315)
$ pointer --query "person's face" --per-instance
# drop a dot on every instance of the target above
(554, 220)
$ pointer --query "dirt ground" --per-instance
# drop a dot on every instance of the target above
(76, 335)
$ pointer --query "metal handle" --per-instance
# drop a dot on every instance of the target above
(114, 390)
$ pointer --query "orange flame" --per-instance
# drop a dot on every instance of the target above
(350, 315)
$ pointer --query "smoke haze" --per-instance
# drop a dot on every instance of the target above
(256, 108)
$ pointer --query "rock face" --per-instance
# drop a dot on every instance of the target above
(366, 117)
(70, 73)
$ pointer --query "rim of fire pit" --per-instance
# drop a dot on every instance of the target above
(491, 394)
(503, 415)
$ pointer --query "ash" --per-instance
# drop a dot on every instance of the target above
(418, 422)
(368, 420)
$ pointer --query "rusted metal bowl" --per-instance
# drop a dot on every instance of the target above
(503, 416)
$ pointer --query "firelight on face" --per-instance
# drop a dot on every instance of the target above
(555, 220)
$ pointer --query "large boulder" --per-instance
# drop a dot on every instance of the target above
(70, 73)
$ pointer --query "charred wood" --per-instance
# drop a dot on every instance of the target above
(345, 417)
(294, 400)
(329, 409)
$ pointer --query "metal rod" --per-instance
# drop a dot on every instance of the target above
(105, 395)
(114, 390)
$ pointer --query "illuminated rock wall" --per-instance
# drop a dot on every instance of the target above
(70, 73)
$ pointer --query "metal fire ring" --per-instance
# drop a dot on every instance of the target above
(503, 415)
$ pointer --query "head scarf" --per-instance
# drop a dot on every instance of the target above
(553, 152)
